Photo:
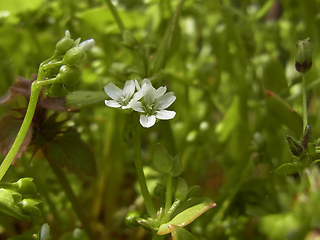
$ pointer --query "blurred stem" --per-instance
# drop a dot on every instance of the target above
(116, 15)
(304, 102)
(140, 174)
(73, 198)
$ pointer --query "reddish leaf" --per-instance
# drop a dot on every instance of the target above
(9, 127)
(70, 151)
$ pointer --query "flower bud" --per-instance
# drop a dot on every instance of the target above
(26, 186)
(295, 148)
(64, 44)
(69, 74)
(303, 56)
(29, 206)
(132, 219)
(306, 136)
(75, 56)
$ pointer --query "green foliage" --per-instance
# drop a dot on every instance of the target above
(237, 133)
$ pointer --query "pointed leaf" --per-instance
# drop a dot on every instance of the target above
(284, 113)
(177, 168)
(185, 217)
(70, 151)
(287, 168)
(80, 99)
(179, 233)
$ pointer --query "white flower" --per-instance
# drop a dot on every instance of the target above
(152, 103)
(120, 98)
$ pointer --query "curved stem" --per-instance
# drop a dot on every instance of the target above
(140, 174)
(35, 91)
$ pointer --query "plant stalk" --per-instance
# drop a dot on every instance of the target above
(304, 102)
(141, 177)
(116, 15)
(34, 95)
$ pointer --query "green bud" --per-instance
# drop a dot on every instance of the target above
(303, 56)
(75, 56)
(132, 219)
(56, 90)
(29, 206)
(26, 186)
(295, 147)
(44, 233)
(69, 74)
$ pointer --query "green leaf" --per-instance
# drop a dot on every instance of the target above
(286, 115)
(273, 77)
(162, 160)
(80, 99)
(177, 168)
(179, 233)
(19, 6)
(181, 189)
(185, 217)
(287, 168)
(70, 151)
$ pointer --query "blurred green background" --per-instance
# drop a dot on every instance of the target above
(230, 134)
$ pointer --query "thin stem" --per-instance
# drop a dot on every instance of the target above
(304, 102)
(73, 198)
(35, 91)
(168, 202)
(116, 16)
(141, 178)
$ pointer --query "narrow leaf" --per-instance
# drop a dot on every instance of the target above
(185, 217)
(284, 113)
(287, 168)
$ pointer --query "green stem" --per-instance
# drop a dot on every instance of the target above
(35, 91)
(141, 178)
(304, 102)
(73, 198)
(116, 16)
(168, 202)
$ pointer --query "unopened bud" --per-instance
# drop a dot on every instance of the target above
(29, 206)
(306, 137)
(132, 219)
(303, 56)
(295, 147)
(64, 44)
(75, 56)
(26, 186)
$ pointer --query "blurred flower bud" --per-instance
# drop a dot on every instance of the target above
(75, 56)
(29, 206)
(303, 56)
(306, 136)
(26, 186)
(132, 219)
(295, 148)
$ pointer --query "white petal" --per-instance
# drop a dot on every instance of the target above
(165, 114)
(128, 88)
(137, 85)
(86, 45)
(137, 106)
(149, 94)
(165, 101)
(138, 95)
(160, 91)
(146, 81)
(112, 103)
(113, 91)
(147, 121)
